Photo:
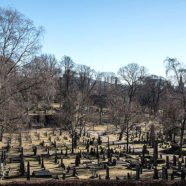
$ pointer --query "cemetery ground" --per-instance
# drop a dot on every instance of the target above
(47, 156)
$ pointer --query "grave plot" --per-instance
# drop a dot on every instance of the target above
(96, 154)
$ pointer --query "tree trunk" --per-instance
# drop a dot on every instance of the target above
(1, 133)
(127, 133)
(100, 115)
(72, 143)
(174, 137)
(181, 136)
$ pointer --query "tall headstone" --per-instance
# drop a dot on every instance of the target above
(174, 160)
(66, 152)
(128, 176)
(39, 159)
(164, 173)
(97, 151)
(74, 172)
(179, 165)
(55, 158)
(107, 173)
(172, 175)
(155, 176)
(182, 174)
(87, 146)
(137, 172)
(99, 140)
(108, 148)
(35, 150)
(77, 160)
(64, 175)
(62, 164)
(98, 158)
(144, 150)
(42, 163)
(28, 171)
(22, 167)
(167, 162)
(155, 153)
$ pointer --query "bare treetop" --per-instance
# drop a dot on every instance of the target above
(19, 38)
(131, 73)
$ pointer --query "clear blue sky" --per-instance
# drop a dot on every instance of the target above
(108, 34)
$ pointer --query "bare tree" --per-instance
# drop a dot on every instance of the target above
(67, 96)
(105, 81)
(150, 93)
(131, 77)
(40, 74)
(170, 115)
(177, 75)
(85, 82)
(19, 42)
(67, 91)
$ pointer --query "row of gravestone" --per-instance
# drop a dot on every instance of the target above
(91, 153)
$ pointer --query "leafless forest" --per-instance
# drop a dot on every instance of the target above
(49, 100)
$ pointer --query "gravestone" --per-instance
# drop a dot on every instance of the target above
(144, 150)
(174, 160)
(54, 144)
(28, 171)
(22, 165)
(128, 176)
(61, 151)
(35, 150)
(164, 173)
(182, 159)
(98, 158)
(68, 169)
(172, 175)
(64, 175)
(179, 165)
(107, 173)
(129, 149)
(155, 176)
(155, 152)
(167, 162)
(137, 172)
(42, 174)
(42, 163)
(182, 174)
(77, 160)
(99, 141)
(62, 164)
(55, 158)
(39, 159)
(97, 151)
(66, 151)
(74, 173)
(48, 151)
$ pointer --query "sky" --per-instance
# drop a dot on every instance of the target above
(109, 34)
